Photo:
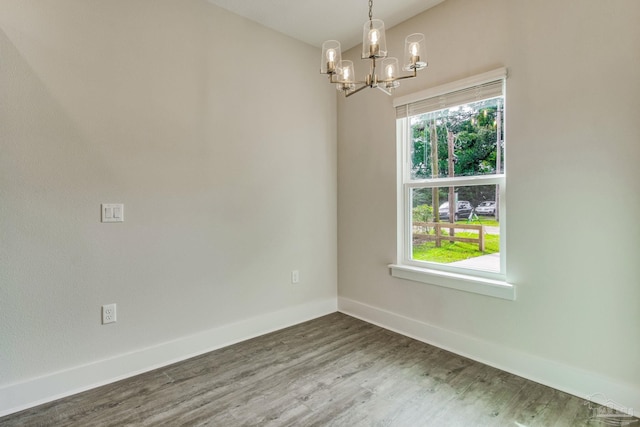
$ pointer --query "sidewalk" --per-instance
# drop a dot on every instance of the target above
(489, 262)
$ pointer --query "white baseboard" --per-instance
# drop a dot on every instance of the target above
(584, 384)
(33, 392)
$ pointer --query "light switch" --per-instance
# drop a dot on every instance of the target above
(112, 212)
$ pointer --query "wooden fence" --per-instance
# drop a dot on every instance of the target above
(438, 237)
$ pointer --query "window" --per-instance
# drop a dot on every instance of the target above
(451, 181)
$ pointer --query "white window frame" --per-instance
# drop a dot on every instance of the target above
(464, 279)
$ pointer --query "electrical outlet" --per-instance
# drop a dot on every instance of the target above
(295, 276)
(108, 313)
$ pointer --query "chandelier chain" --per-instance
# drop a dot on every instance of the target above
(370, 10)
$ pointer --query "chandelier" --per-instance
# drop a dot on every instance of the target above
(374, 47)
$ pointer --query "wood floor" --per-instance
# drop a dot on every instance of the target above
(331, 371)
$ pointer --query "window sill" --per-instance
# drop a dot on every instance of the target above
(461, 282)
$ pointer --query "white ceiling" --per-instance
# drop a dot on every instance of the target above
(314, 22)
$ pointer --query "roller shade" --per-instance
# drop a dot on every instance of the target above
(486, 86)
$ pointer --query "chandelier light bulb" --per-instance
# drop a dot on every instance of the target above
(374, 47)
(331, 60)
(373, 36)
(415, 48)
(331, 57)
(345, 76)
(390, 71)
(414, 52)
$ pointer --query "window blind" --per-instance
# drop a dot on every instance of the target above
(451, 99)
(476, 88)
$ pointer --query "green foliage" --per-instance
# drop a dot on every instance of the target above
(474, 129)
(422, 213)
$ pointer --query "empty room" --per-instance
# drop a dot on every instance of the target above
(362, 213)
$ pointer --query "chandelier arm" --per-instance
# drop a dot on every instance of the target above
(410, 76)
(401, 78)
(357, 82)
(356, 91)
(384, 90)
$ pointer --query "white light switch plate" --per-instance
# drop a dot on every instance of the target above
(112, 212)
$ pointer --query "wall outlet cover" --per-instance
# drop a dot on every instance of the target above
(108, 313)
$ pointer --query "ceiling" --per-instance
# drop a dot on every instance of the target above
(313, 22)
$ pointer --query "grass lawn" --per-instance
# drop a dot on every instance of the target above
(456, 251)
(482, 220)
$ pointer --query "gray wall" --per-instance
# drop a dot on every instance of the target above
(573, 186)
(179, 110)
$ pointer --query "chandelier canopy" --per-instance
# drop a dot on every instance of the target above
(374, 47)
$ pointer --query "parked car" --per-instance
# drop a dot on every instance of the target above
(486, 208)
(463, 211)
